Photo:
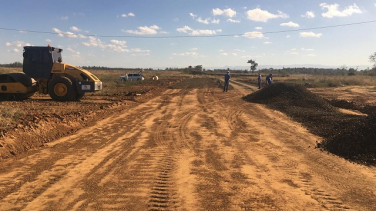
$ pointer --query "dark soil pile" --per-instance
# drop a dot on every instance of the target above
(358, 143)
(364, 108)
(340, 131)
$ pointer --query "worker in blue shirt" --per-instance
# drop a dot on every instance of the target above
(227, 81)
(269, 79)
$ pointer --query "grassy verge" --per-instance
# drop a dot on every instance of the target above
(321, 81)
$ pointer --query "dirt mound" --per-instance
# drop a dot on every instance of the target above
(357, 143)
(281, 95)
(349, 136)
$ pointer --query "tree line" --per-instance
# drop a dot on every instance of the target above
(14, 64)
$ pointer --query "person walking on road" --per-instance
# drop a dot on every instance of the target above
(227, 81)
(269, 79)
(259, 79)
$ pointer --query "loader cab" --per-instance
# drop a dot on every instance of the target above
(38, 61)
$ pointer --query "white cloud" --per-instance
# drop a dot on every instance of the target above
(139, 50)
(263, 15)
(309, 14)
(233, 21)
(216, 21)
(67, 34)
(203, 31)
(267, 43)
(234, 54)
(309, 34)
(193, 15)
(192, 54)
(142, 30)
(73, 28)
(224, 54)
(128, 15)
(118, 42)
(176, 19)
(15, 50)
(227, 12)
(288, 36)
(311, 55)
(290, 24)
(334, 12)
(193, 49)
(185, 29)
(305, 49)
(18, 44)
(48, 40)
(200, 20)
(258, 28)
(64, 18)
(254, 34)
(73, 51)
(95, 42)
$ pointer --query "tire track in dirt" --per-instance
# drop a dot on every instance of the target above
(113, 156)
(197, 149)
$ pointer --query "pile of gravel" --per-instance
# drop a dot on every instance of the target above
(350, 136)
(357, 143)
(283, 95)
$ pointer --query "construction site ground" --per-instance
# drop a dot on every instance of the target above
(180, 146)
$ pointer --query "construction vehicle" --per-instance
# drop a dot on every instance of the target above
(44, 72)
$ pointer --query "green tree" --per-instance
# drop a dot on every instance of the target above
(372, 59)
(253, 65)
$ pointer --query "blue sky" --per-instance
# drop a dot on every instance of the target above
(168, 33)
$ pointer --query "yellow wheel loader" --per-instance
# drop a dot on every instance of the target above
(44, 71)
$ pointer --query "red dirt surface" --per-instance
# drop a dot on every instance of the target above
(191, 148)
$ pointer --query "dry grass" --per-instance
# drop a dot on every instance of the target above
(329, 81)
(319, 81)
(5, 70)
(9, 116)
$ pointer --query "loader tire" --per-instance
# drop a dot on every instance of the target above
(61, 88)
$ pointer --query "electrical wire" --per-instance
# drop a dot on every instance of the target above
(187, 36)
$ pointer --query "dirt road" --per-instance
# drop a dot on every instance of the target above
(197, 149)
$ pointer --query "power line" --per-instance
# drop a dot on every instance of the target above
(188, 36)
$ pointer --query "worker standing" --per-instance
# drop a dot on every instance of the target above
(259, 79)
(269, 79)
(227, 81)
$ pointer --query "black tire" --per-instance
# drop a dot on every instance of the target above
(61, 88)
